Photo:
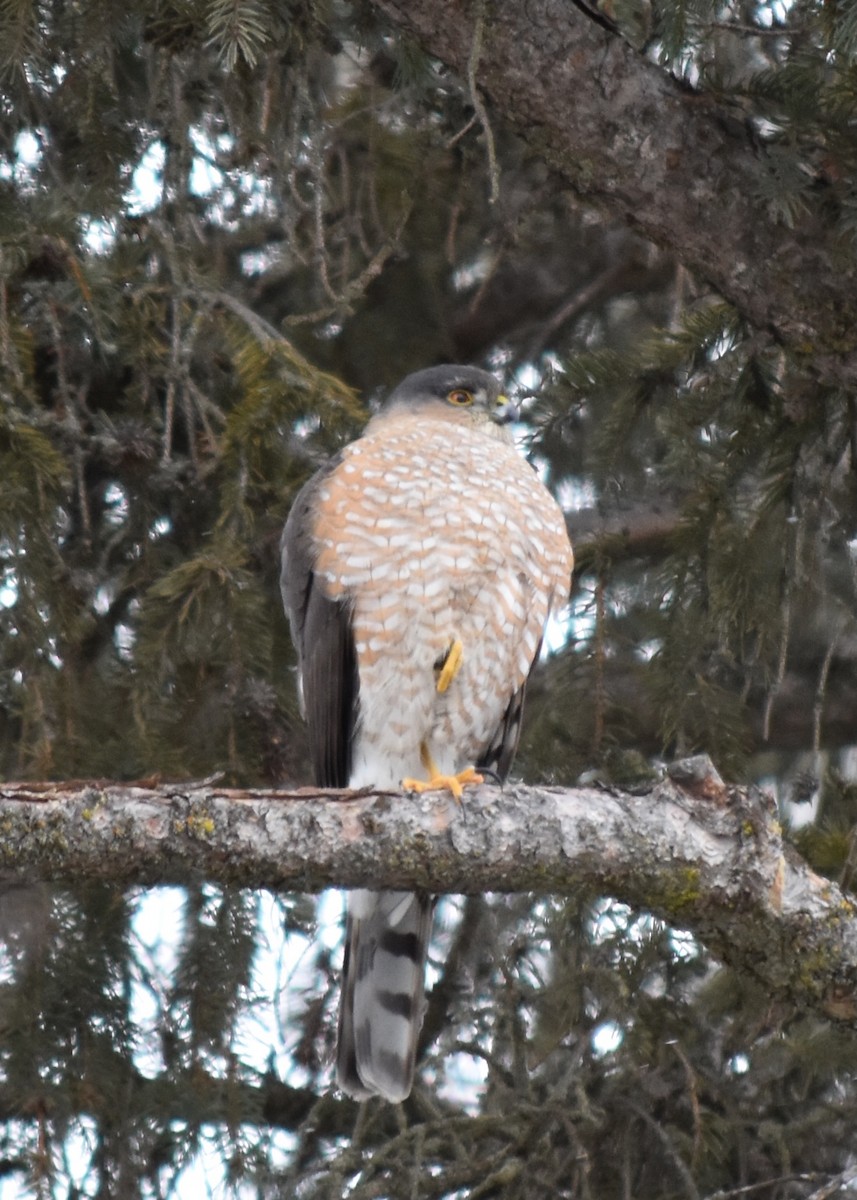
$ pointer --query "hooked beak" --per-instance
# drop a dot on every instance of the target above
(506, 411)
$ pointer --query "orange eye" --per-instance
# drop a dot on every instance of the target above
(460, 397)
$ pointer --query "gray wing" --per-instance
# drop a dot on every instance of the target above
(322, 634)
(500, 753)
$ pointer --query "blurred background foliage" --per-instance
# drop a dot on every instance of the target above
(225, 230)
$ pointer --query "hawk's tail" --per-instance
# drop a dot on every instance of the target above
(383, 979)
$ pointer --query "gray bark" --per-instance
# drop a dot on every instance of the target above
(677, 166)
(702, 856)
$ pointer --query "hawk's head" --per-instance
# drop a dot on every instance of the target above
(463, 394)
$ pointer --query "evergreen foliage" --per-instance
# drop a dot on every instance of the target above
(225, 229)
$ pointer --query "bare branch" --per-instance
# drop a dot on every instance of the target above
(703, 856)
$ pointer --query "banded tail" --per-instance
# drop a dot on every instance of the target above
(383, 983)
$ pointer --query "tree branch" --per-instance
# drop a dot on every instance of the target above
(674, 164)
(702, 856)
(642, 530)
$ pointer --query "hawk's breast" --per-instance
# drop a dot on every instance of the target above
(434, 531)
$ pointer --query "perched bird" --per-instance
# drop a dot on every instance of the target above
(419, 567)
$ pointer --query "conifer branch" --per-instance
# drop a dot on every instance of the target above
(700, 855)
(678, 166)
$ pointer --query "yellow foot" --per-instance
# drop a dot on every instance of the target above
(450, 665)
(437, 781)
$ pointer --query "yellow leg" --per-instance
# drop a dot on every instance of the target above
(451, 665)
(437, 781)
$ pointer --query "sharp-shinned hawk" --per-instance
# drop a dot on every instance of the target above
(419, 568)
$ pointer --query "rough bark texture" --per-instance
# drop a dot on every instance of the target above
(674, 164)
(703, 856)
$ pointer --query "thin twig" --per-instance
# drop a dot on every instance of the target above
(753, 30)
(600, 654)
(694, 1105)
(671, 1150)
(456, 137)
(835, 1185)
(785, 633)
(478, 106)
(748, 1188)
(820, 691)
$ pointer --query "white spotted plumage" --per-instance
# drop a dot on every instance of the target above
(490, 582)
